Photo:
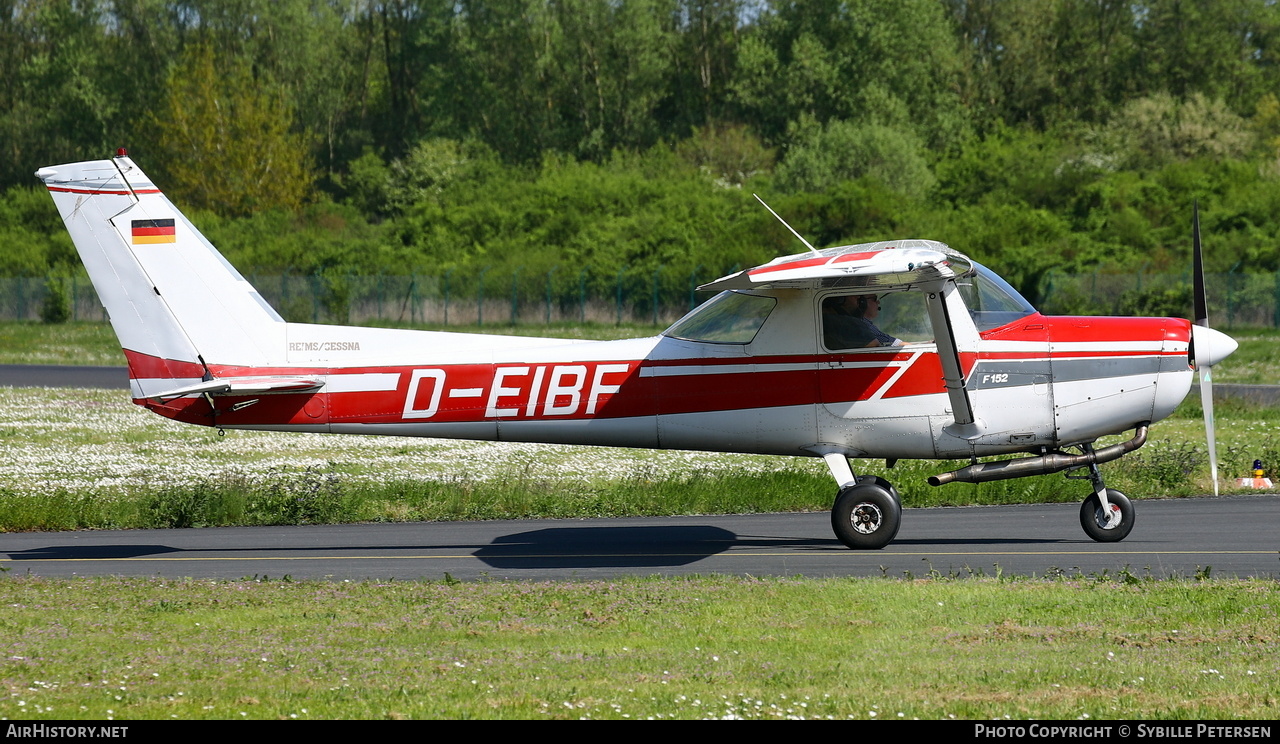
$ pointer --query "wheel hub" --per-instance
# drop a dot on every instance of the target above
(866, 518)
(1109, 519)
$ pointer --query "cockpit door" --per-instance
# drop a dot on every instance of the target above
(870, 395)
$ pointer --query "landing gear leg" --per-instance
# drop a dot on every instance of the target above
(867, 511)
(1107, 515)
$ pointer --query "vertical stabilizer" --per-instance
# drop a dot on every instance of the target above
(175, 303)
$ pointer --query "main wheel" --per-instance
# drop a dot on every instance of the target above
(866, 516)
(1107, 526)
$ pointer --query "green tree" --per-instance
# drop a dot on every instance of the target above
(610, 72)
(844, 151)
(415, 78)
(1046, 62)
(225, 140)
(56, 101)
(733, 154)
(889, 62)
(56, 306)
(583, 78)
(705, 39)
(504, 63)
(1224, 49)
(1158, 129)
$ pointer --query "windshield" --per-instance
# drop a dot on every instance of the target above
(991, 301)
(727, 318)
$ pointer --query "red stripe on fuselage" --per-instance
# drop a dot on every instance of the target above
(1102, 330)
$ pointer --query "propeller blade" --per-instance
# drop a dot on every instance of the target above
(1206, 401)
(1201, 315)
(1210, 346)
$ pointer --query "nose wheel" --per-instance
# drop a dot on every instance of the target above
(866, 516)
(1107, 515)
(1110, 523)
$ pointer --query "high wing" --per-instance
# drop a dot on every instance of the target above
(882, 265)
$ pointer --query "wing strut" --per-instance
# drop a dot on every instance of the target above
(966, 424)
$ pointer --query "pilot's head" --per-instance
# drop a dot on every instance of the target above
(863, 306)
(858, 305)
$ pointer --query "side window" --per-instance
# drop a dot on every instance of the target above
(872, 321)
(727, 318)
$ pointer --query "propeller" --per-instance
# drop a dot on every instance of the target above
(1208, 346)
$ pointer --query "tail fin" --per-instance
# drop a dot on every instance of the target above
(175, 303)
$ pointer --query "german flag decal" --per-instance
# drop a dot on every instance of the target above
(153, 231)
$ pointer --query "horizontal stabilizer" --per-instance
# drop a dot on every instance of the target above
(243, 386)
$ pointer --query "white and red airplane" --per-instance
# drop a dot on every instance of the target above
(755, 369)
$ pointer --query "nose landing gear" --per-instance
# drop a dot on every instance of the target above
(1107, 515)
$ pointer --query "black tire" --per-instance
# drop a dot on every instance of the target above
(886, 485)
(866, 516)
(1093, 520)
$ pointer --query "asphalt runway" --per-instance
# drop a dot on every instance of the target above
(50, 375)
(1230, 537)
(1237, 536)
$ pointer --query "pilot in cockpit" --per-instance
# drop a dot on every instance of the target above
(848, 322)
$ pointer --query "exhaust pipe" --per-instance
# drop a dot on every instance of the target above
(1042, 465)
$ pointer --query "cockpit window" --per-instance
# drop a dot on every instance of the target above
(727, 318)
(991, 301)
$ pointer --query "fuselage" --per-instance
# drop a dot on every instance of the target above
(1038, 382)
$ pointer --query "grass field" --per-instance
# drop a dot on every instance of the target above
(1065, 648)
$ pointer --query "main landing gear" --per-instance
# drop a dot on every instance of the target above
(866, 515)
(868, 510)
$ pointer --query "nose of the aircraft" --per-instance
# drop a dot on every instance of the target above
(1211, 346)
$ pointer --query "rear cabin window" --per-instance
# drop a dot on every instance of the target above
(727, 318)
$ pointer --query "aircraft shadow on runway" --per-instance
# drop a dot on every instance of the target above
(543, 548)
(90, 552)
(547, 548)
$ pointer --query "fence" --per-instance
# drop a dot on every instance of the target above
(452, 298)
(659, 297)
(1235, 299)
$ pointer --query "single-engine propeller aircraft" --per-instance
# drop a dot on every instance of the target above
(970, 371)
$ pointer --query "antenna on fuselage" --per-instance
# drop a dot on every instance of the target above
(789, 227)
